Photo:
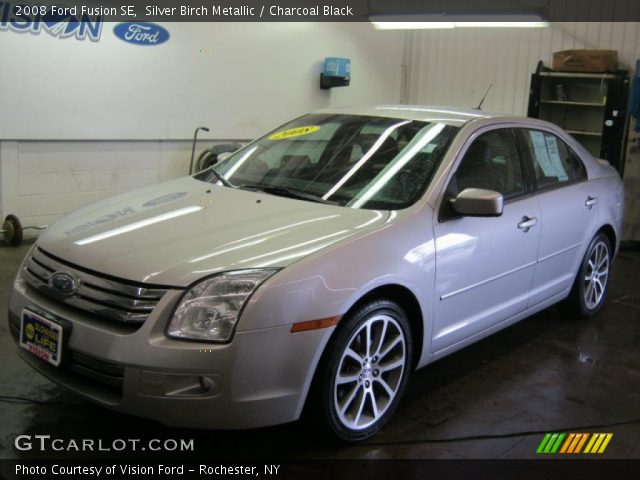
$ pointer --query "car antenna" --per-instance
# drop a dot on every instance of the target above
(479, 107)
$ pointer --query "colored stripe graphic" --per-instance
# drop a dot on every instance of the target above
(581, 443)
(578, 442)
(567, 443)
(550, 443)
(598, 442)
(574, 443)
(543, 443)
(556, 445)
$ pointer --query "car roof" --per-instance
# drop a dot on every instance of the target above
(457, 117)
(426, 113)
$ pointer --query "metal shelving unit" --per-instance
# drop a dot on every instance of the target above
(590, 106)
(575, 104)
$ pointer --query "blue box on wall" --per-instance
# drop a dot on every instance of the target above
(335, 73)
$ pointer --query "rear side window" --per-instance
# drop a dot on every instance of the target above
(553, 162)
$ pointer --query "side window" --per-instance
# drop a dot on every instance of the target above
(491, 162)
(553, 162)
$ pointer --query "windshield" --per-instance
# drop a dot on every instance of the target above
(350, 160)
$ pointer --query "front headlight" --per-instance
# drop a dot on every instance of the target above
(209, 311)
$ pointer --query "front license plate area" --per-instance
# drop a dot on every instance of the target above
(42, 337)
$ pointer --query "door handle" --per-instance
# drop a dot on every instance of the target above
(527, 223)
(591, 201)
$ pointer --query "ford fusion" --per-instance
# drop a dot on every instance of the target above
(318, 265)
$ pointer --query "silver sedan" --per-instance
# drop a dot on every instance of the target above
(317, 267)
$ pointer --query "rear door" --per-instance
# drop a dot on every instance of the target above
(484, 265)
(568, 211)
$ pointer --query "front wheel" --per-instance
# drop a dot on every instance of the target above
(592, 282)
(365, 370)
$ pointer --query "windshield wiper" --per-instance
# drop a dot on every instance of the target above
(286, 192)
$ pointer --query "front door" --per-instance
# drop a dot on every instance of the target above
(484, 265)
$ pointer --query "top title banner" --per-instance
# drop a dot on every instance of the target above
(188, 10)
(317, 10)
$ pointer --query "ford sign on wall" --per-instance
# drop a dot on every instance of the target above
(20, 18)
(141, 33)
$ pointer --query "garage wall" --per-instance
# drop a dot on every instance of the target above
(239, 79)
(47, 179)
(455, 67)
(82, 120)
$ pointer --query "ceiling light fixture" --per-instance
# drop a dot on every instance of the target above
(446, 21)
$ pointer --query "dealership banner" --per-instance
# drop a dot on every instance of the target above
(23, 12)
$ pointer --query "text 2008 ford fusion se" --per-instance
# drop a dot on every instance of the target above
(321, 263)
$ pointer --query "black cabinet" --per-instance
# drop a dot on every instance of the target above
(590, 106)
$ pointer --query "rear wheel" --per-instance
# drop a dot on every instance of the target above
(592, 282)
(365, 371)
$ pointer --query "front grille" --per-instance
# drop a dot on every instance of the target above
(107, 297)
(93, 370)
(105, 373)
(14, 326)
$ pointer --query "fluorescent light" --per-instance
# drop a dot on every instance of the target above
(444, 21)
(502, 24)
(412, 25)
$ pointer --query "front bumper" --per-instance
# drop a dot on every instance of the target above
(261, 378)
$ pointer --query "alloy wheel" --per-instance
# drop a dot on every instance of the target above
(596, 275)
(370, 372)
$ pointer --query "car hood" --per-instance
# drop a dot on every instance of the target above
(177, 232)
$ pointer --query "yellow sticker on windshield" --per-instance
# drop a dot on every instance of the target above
(294, 132)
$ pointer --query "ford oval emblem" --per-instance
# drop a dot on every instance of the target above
(64, 283)
(143, 33)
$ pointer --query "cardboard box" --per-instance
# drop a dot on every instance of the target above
(586, 61)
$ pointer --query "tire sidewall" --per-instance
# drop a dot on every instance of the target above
(333, 357)
(580, 285)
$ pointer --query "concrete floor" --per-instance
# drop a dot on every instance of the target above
(548, 373)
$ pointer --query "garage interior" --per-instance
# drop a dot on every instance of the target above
(85, 120)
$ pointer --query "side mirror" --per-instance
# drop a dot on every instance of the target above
(477, 202)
